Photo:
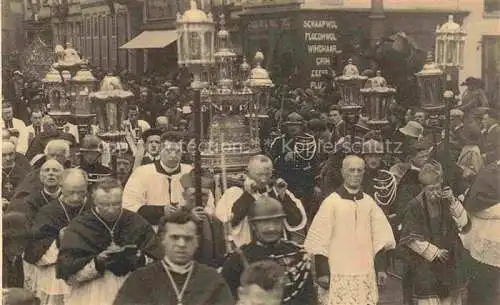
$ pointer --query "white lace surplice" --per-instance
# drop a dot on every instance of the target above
(101, 290)
(350, 234)
(483, 240)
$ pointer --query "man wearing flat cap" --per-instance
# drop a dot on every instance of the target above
(437, 258)
(295, 157)
(491, 137)
(266, 216)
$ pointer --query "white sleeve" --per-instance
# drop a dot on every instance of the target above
(50, 257)
(134, 193)
(424, 249)
(87, 273)
(459, 214)
(322, 227)
(224, 207)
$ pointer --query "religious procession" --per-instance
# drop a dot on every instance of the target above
(238, 179)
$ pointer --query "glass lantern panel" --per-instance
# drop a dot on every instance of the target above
(194, 46)
(454, 52)
(82, 103)
(440, 52)
(208, 47)
(180, 46)
(449, 52)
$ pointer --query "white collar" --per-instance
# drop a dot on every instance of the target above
(154, 158)
(181, 269)
(352, 191)
(168, 169)
(54, 194)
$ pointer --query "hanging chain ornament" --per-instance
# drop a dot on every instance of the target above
(385, 188)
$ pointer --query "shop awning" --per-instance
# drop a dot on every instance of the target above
(151, 40)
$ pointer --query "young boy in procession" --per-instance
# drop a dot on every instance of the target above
(266, 216)
(101, 247)
(177, 278)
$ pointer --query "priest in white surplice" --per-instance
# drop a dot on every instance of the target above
(349, 230)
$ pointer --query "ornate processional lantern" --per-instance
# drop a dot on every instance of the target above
(377, 98)
(233, 136)
(430, 85)
(83, 85)
(110, 104)
(450, 41)
(350, 84)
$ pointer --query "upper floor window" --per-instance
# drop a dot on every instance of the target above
(491, 6)
(160, 9)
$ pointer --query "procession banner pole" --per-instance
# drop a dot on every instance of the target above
(197, 139)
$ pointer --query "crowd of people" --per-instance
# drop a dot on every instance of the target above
(320, 216)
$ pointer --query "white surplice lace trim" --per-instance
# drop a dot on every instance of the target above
(485, 250)
(353, 289)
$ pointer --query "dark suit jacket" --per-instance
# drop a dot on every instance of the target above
(491, 144)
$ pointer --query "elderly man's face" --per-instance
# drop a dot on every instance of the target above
(58, 154)
(180, 242)
(7, 113)
(353, 173)
(108, 204)
(162, 123)
(261, 173)
(50, 174)
(8, 155)
(153, 145)
(171, 153)
(255, 295)
(74, 192)
(433, 192)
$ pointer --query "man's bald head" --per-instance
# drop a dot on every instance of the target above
(74, 183)
(8, 154)
(260, 169)
(162, 122)
(350, 161)
(57, 149)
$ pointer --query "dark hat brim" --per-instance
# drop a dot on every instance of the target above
(151, 132)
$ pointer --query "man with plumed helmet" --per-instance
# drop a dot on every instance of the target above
(266, 216)
(437, 259)
(295, 157)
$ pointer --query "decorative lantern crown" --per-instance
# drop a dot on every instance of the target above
(450, 41)
(430, 82)
(259, 77)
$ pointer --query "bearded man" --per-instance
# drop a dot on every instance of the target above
(235, 203)
(48, 229)
(431, 226)
(266, 216)
(348, 231)
(100, 248)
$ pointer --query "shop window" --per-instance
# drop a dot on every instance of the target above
(96, 26)
(161, 9)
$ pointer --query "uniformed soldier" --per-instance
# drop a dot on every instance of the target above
(295, 158)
